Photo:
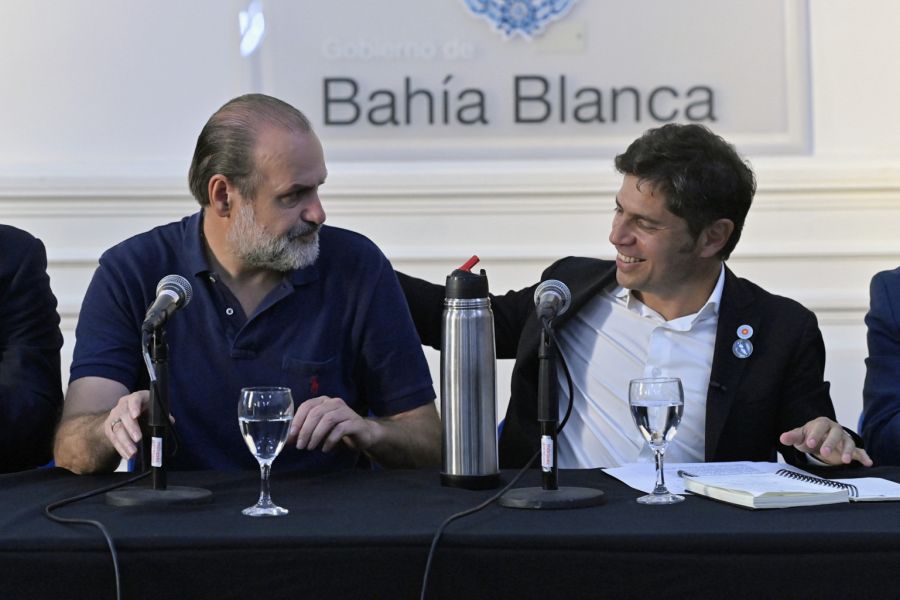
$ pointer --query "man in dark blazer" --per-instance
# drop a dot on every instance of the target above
(679, 214)
(30, 340)
(881, 392)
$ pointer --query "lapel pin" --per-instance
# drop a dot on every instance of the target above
(742, 348)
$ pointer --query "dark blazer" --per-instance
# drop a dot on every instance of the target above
(30, 381)
(750, 401)
(881, 392)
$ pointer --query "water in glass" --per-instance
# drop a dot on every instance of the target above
(265, 438)
(657, 420)
(264, 415)
(656, 407)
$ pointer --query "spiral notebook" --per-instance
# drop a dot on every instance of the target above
(789, 487)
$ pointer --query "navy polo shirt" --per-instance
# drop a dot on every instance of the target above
(340, 327)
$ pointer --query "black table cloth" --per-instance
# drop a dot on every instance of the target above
(365, 534)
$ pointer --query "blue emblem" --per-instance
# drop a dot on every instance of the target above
(520, 17)
(742, 348)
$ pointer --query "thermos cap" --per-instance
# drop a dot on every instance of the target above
(462, 285)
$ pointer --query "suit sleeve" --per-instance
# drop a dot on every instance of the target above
(881, 391)
(30, 341)
(426, 304)
(805, 393)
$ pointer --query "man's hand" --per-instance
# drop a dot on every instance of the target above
(98, 426)
(826, 440)
(408, 439)
(121, 425)
(326, 421)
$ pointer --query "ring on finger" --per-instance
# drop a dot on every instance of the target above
(112, 427)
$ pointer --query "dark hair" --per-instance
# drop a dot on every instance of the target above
(225, 145)
(702, 176)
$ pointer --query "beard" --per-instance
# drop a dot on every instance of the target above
(258, 248)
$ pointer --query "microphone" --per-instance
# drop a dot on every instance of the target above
(172, 292)
(551, 299)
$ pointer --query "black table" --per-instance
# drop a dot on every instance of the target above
(362, 534)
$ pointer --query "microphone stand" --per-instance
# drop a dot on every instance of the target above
(158, 413)
(550, 495)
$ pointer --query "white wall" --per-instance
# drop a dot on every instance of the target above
(821, 225)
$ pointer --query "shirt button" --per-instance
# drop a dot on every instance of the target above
(656, 372)
(229, 311)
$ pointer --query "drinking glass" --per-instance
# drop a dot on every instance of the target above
(656, 407)
(264, 414)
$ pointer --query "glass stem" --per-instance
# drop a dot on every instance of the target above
(264, 498)
(660, 479)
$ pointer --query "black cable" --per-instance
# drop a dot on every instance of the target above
(171, 433)
(437, 536)
(548, 328)
(467, 512)
(48, 510)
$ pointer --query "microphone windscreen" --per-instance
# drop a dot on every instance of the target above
(553, 286)
(177, 284)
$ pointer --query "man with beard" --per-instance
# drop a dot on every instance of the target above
(278, 300)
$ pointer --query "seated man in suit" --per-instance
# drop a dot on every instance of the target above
(881, 392)
(30, 340)
(752, 363)
(279, 299)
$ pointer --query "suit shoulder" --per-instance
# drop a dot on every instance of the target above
(888, 279)
(773, 303)
(13, 236)
(18, 248)
(16, 243)
(576, 266)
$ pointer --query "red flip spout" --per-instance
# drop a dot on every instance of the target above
(467, 266)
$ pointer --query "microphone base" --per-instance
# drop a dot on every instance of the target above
(173, 495)
(562, 498)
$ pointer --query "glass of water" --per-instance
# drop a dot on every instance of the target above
(264, 414)
(656, 407)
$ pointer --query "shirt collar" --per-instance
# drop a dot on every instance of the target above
(715, 298)
(194, 248)
(195, 254)
(709, 309)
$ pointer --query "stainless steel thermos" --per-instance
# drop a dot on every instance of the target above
(468, 383)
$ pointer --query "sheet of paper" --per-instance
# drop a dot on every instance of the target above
(874, 488)
(642, 476)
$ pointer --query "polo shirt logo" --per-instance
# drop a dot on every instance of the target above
(314, 385)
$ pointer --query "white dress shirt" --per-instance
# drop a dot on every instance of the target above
(613, 339)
